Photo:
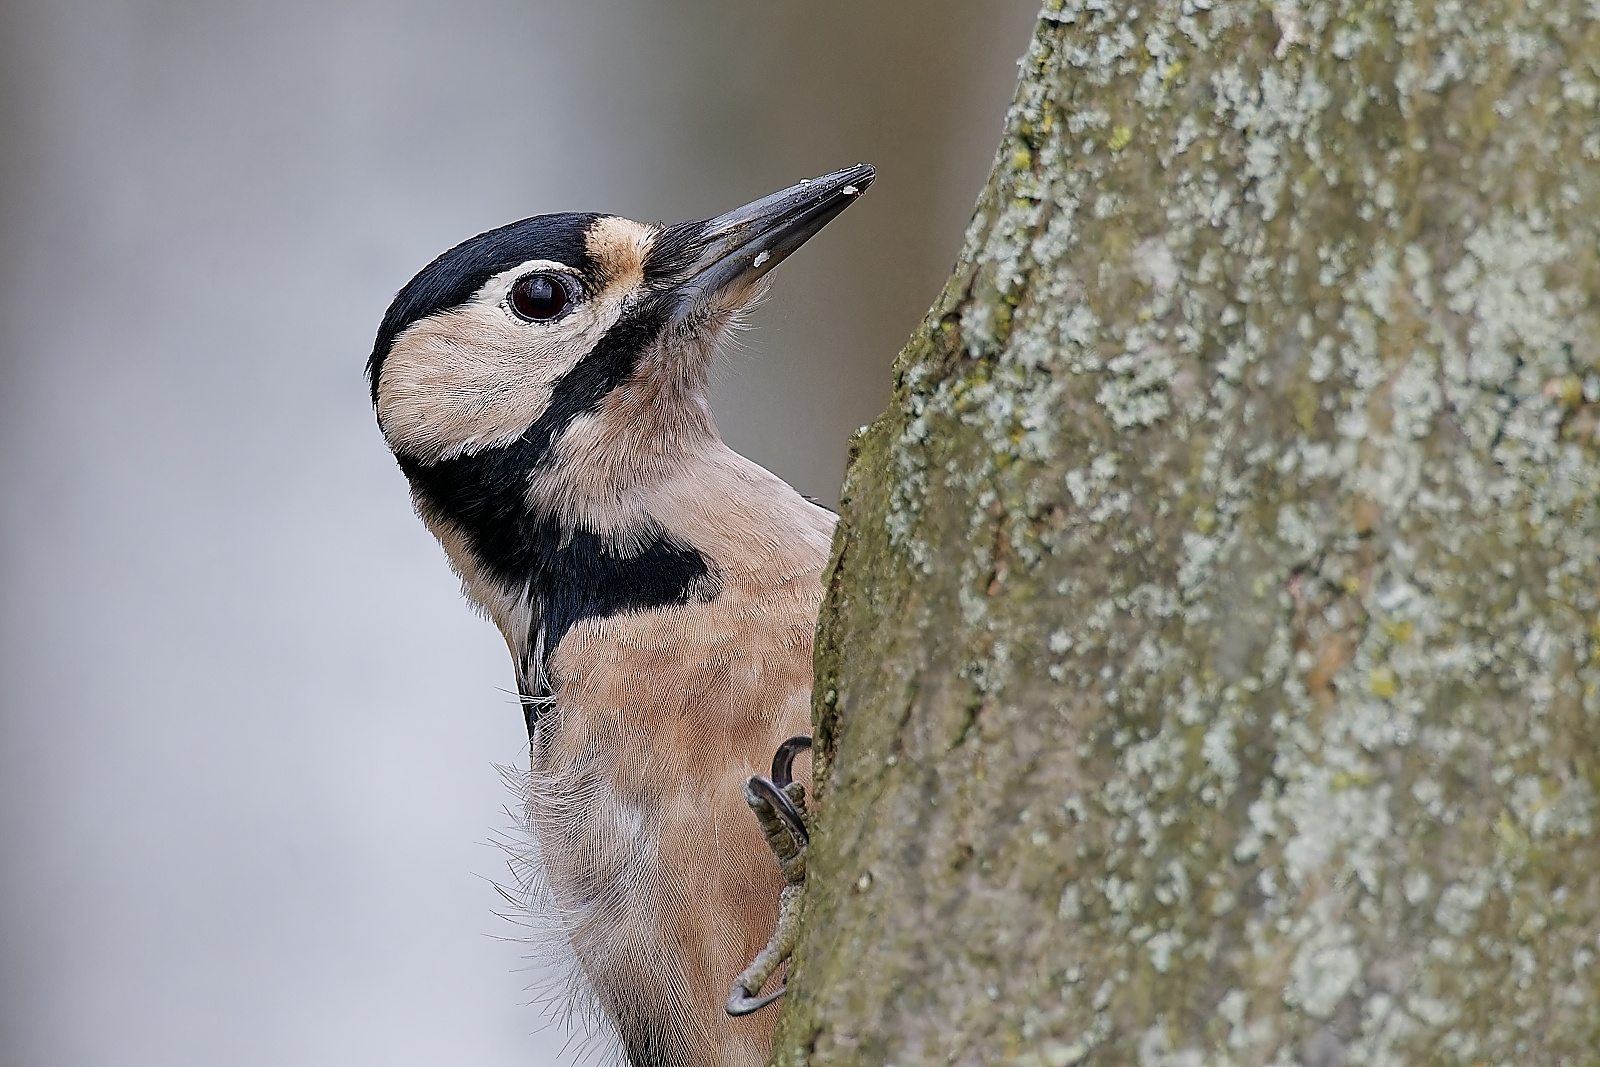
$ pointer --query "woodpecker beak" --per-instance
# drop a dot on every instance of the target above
(740, 247)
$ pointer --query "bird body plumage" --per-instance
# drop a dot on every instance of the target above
(658, 592)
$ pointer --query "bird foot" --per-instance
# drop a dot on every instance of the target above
(779, 803)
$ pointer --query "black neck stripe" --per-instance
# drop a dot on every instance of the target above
(485, 493)
(572, 574)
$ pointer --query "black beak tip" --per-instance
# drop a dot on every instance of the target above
(747, 242)
(855, 180)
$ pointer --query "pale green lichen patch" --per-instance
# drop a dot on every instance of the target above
(1211, 667)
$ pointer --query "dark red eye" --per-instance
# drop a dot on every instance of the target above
(539, 297)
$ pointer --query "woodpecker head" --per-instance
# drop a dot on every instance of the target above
(543, 371)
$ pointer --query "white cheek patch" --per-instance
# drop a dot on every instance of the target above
(477, 376)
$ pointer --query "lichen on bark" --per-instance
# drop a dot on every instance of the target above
(1210, 672)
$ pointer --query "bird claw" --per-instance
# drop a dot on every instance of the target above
(771, 802)
(740, 1002)
(783, 759)
(779, 803)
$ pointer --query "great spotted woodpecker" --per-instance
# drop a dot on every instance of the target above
(543, 386)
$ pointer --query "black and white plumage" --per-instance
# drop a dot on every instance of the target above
(543, 386)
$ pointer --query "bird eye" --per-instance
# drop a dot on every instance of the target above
(540, 297)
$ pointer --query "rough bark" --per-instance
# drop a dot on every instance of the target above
(1210, 672)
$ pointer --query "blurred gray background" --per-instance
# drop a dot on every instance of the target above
(248, 726)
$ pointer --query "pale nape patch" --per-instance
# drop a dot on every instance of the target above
(477, 376)
(619, 247)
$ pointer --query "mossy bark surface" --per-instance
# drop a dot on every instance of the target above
(1210, 672)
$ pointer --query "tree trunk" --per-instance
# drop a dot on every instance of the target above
(1210, 672)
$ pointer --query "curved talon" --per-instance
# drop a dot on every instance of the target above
(784, 808)
(779, 804)
(783, 759)
(742, 1003)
